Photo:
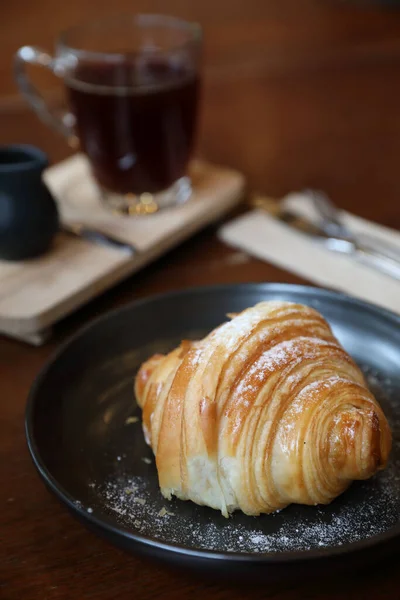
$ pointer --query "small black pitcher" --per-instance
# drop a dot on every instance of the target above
(28, 212)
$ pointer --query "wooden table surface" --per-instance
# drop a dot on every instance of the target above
(297, 93)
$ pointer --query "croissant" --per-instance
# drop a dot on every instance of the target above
(265, 411)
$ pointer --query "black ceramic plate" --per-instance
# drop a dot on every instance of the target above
(85, 437)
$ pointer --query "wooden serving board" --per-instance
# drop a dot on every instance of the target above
(37, 293)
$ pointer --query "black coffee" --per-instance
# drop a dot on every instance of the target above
(135, 121)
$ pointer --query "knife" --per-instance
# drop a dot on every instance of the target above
(363, 252)
(98, 237)
(331, 221)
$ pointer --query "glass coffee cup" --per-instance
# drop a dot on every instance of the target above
(132, 85)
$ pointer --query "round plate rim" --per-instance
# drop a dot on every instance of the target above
(107, 525)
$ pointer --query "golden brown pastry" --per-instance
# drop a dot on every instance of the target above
(267, 410)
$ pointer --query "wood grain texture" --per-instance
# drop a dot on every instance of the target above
(34, 294)
(297, 92)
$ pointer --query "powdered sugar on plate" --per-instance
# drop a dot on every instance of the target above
(366, 509)
(373, 510)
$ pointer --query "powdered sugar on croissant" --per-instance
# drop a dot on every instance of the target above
(265, 411)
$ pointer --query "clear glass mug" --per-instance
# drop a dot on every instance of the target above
(132, 85)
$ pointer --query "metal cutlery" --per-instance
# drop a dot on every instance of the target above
(98, 237)
(331, 221)
(364, 253)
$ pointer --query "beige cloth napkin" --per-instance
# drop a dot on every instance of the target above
(264, 237)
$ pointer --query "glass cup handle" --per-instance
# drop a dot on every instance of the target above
(36, 56)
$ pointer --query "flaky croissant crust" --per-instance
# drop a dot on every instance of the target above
(265, 411)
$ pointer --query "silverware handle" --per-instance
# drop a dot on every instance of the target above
(331, 223)
(99, 237)
(379, 261)
(369, 243)
(102, 238)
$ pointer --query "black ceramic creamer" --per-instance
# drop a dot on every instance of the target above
(28, 212)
